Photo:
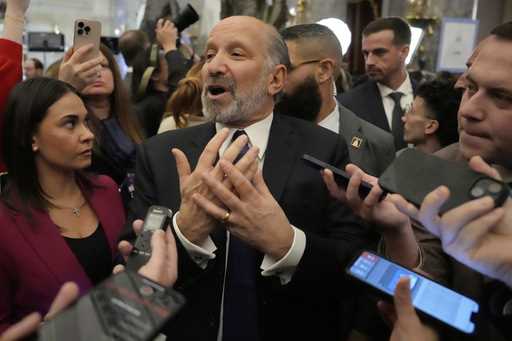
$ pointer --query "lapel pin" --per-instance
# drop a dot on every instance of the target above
(356, 142)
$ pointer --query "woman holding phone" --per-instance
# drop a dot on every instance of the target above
(108, 100)
(59, 223)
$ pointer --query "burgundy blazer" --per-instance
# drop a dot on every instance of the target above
(35, 260)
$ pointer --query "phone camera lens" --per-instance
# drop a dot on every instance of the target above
(81, 24)
(477, 192)
(80, 31)
(494, 188)
(87, 29)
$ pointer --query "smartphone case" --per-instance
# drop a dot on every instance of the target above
(414, 174)
(126, 306)
(87, 32)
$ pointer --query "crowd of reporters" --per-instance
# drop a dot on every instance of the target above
(87, 152)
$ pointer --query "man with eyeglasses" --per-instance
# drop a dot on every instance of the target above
(310, 94)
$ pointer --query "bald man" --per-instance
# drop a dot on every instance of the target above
(261, 244)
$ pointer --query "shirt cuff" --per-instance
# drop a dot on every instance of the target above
(285, 267)
(201, 253)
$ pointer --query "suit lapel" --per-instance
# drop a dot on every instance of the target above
(377, 108)
(352, 132)
(44, 237)
(204, 135)
(280, 156)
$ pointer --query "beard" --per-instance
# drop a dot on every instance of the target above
(304, 102)
(241, 108)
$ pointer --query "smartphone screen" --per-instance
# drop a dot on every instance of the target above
(428, 296)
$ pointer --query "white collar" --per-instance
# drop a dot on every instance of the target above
(405, 87)
(257, 132)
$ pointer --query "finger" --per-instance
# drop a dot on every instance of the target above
(455, 220)
(240, 183)
(473, 233)
(251, 172)
(373, 197)
(428, 214)
(403, 205)
(90, 66)
(67, 294)
(182, 165)
(242, 165)
(137, 226)
(209, 207)
(260, 185)
(352, 190)
(117, 269)
(334, 190)
(222, 192)
(235, 148)
(79, 53)
(67, 55)
(159, 23)
(351, 169)
(211, 151)
(402, 299)
(28, 325)
(479, 165)
(155, 266)
(125, 249)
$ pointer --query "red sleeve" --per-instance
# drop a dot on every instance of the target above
(10, 74)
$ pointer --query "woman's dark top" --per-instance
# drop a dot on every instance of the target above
(93, 253)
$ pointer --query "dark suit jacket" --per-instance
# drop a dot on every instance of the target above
(370, 147)
(35, 260)
(307, 307)
(365, 101)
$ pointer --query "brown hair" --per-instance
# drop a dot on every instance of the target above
(120, 101)
(186, 99)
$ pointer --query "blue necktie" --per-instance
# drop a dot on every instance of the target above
(240, 318)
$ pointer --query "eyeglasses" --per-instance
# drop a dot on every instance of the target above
(293, 67)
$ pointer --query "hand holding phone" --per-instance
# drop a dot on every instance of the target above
(414, 174)
(87, 32)
(157, 218)
(126, 306)
(342, 178)
(428, 296)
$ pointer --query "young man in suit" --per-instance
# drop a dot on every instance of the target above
(261, 245)
(309, 93)
(388, 92)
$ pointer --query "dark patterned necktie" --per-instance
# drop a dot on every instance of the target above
(240, 317)
(397, 126)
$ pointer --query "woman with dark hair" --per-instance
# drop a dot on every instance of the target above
(58, 223)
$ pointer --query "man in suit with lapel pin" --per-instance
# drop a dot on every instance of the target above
(261, 245)
(389, 91)
(315, 56)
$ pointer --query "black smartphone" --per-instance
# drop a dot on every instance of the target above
(157, 218)
(429, 297)
(414, 174)
(126, 306)
(340, 176)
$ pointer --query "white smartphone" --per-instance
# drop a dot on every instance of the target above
(87, 32)
(428, 296)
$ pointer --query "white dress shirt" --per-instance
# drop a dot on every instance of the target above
(389, 104)
(332, 121)
(258, 134)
